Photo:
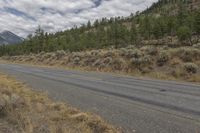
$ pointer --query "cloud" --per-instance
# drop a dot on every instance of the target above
(23, 16)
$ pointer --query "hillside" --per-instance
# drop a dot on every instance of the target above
(161, 42)
(163, 19)
(171, 6)
(7, 37)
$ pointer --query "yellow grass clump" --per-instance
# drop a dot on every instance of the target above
(23, 110)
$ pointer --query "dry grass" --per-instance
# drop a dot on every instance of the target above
(23, 110)
(146, 61)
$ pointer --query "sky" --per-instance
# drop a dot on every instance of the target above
(22, 17)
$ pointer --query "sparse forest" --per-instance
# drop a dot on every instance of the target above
(163, 19)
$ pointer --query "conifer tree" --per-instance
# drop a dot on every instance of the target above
(133, 34)
(197, 23)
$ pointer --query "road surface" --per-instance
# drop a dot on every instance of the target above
(141, 106)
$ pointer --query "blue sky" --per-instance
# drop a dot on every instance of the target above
(23, 16)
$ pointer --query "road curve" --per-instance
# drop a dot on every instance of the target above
(136, 105)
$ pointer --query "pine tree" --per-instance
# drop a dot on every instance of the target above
(171, 25)
(197, 23)
(157, 32)
(182, 14)
(184, 34)
(96, 23)
(146, 27)
(133, 34)
(89, 25)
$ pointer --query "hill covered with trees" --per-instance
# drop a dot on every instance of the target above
(164, 19)
(161, 42)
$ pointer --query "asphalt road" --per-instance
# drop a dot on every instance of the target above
(141, 106)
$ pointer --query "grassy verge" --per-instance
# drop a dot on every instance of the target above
(23, 110)
(160, 62)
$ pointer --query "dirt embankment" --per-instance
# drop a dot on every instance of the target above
(23, 110)
(155, 61)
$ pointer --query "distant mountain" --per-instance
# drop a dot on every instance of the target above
(7, 37)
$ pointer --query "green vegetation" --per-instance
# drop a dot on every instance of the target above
(165, 18)
(191, 67)
(184, 33)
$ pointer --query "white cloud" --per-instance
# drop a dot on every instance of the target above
(23, 16)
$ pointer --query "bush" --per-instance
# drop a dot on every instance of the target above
(188, 54)
(59, 54)
(90, 61)
(141, 62)
(162, 58)
(47, 56)
(41, 53)
(97, 63)
(2, 105)
(152, 50)
(123, 52)
(175, 61)
(94, 53)
(184, 33)
(109, 54)
(107, 60)
(76, 61)
(185, 54)
(190, 67)
(133, 53)
(131, 47)
(118, 64)
(197, 45)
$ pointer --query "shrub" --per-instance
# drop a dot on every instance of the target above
(59, 54)
(136, 53)
(94, 53)
(76, 61)
(175, 61)
(185, 54)
(42, 53)
(97, 63)
(146, 60)
(162, 58)
(190, 67)
(131, 47)
(135, 62)
(141, 62)
(133, 53)
(118, 64)
(152, 50)
(188, 54)
(107, 60)
(47, 55)
(109, 54)
(184, 33)
(123, 52)
(2, 105)
(197, 45)
(90, 61)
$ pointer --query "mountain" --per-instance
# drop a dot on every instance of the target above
(7, 37)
